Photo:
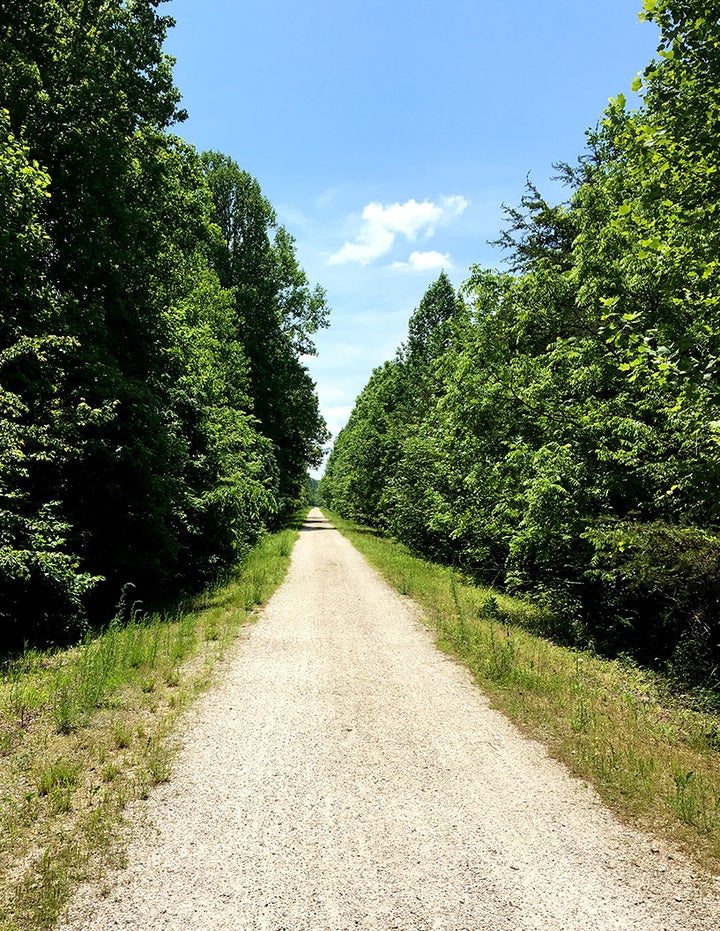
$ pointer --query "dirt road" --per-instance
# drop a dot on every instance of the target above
(346, 774)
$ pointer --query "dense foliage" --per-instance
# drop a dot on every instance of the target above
(154, 414)
(556, 430)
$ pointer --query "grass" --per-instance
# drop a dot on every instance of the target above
(653, 759)
(86, 731)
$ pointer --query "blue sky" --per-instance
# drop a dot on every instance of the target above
(387, 134)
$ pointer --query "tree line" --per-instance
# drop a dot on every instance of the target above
(555, 429)
(155, 415)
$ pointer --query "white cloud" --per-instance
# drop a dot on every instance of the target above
(336, 418)
(381, 224)
(455, 204)
(424, 261)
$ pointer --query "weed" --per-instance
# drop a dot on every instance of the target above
(582, 718)
(65, 710)
(254, 589)
(212, 630)
(60, 800)
(489, 607)
(695, 800)
(122, 734)
(284, 542)
(159, 762)
(24, 699)
(185, 638)
(110, 772)
(60, 774)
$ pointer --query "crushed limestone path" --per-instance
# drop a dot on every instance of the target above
(347, 775)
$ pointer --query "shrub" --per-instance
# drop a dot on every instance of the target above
(654, 592)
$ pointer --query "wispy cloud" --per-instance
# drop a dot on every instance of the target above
(382, 224)
(424, 261)
(290, 216)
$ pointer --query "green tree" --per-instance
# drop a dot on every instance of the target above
(41, 585)
(429, 328)
(277, 313)
(563, 433)
(130, 446)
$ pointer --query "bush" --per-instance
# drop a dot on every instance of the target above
(42, 597)
(654, 592)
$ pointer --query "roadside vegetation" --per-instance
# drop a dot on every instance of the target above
(156, 416)
(554, 430)
(87, 731)
(651, 754)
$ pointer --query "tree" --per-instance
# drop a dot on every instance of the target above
(41, 584)
(429, 326)
(127, 423)
(277, 313)
(563, 433)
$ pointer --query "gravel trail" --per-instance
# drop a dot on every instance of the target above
(345, 774)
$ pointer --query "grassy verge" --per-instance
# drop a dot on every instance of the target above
(86, 731)
(653, 760)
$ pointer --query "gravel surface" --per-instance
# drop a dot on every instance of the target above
(345, 774)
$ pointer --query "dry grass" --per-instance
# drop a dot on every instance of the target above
(654, 760)
(87, 731)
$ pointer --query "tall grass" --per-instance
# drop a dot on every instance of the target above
(84, 731)
(653, 758)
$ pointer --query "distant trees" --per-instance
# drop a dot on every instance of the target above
(154, 414)
(566, 438)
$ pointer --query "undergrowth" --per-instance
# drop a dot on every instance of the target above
(88, 730)
(652, 757)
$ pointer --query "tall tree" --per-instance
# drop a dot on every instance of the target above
(429, 328)
(277, 313)
(126, 394)
(41, 585)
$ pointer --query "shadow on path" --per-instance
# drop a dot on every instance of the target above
(315, 523)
